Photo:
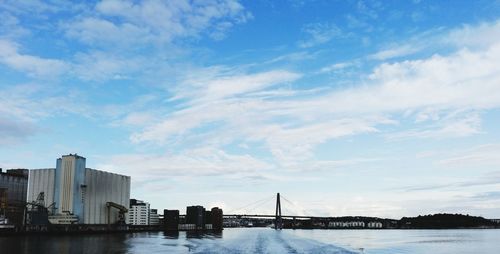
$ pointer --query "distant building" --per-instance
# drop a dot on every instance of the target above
(208, 219)
(195, 215)
(346, 224)
(154, 217)
(13, 189)
(217, 219)
(171, 220)
(80, 195)
(497, 221)
(375, 224)
(138, 213)
(198, 218)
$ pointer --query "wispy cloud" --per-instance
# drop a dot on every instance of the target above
(452, 125)
(223, 86)
(481, 156)
(291, 125)
(337, 67)
(159, 79)
(203, 161)
(491, 178)
(33, 65)
(23, 106)
(14, 132)
(103, 66)
(319, 33)
(495, 195)
(399, 51)
(129, 23)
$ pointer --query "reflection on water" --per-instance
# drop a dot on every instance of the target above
(200, 235)
(262, 240)
(109, 243)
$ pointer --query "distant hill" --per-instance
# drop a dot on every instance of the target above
(444, 221)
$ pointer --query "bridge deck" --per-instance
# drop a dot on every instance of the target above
(273, 216)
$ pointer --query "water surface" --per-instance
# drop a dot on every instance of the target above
(263, 240)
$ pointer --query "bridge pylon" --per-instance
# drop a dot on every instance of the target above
(278, 221)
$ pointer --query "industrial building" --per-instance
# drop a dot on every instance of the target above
(13, 189)
(138, 213)
(79, 195)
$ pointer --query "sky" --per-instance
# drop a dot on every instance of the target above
(373, 108)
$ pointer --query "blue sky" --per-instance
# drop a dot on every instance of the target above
(378, 108)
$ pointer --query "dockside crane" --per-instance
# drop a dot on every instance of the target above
(121, 212)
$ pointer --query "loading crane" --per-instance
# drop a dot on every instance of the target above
(121, 212)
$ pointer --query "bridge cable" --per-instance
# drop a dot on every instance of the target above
(251, 204)
(260, 205)
(296, 206)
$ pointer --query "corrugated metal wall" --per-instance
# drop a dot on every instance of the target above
(16, 188)
(67, 188)
(104, 187)
(41, 180)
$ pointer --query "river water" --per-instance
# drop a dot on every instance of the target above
(263, 240)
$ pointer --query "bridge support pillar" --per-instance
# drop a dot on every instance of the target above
(278, 221)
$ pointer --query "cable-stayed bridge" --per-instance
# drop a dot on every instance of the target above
(277, 216)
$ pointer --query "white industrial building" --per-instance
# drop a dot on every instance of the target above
(78, 194)
(138, 213)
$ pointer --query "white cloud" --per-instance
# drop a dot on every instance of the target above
(292, 57)
(202, 88)
(94, 30)
(202, 161)
(336, 67)
(482, 35)
(138, 118)
(10, 26)
(156, 22)
(443, 82)
(472, 37)
(32, 65)
(221, 105)
(454, 125)
(32, 6)
(292, 147)
(23, 106)
(103, 66)
(397, 51)
(20, 102)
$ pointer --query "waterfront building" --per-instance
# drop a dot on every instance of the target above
(138, 213)
(198, 218)
(346, 224)
(154, 217)
(171, 220)
(208, 219)
(78, 194)
(195, 215)
(217, 219)
(497, 221)
(375, 224)
(13, 189)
